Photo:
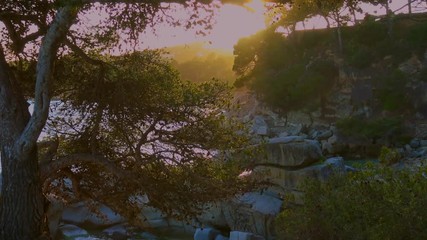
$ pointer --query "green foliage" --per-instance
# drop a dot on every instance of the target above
(391, 91)
(287, 73)
(369, 129)
(376, 203)
(361, 58)
(423, 74)
(164, 138)
(417, 37)
(389, 156)
(198, 64)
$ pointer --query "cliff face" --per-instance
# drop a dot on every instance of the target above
(383, 105)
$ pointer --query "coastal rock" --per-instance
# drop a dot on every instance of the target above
(291, 180)
(206, 234)
(292, 152)
(253, 212)
(236, 235)
(72, 231)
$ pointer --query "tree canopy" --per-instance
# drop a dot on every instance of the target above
(138, 130)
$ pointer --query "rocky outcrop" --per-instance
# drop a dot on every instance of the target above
(291, 152)
(253, 212)
(290, 180)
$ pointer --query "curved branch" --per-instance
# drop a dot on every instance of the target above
(54, 36)
(64, 162)
(76, 49)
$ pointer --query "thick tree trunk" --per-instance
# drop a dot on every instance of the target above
(22, 210)
(21, 207)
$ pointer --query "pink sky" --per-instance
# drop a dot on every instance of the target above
(232, 23)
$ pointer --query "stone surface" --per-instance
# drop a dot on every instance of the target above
(415, 143)
(206, 234)
(214, 216)
(221, 237)
(116, 229)
(260, 126)
(253, 212)
(290, 180)
(296, 153)
(72, 231)
(236, 235)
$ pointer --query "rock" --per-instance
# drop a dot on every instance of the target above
(411, 66)
(291, 180)
(423, 143)
(327, 147)
(333, 139)
(80, 214)
(285, 139)
(303, 119)
(221, 237)
(206, 234)
(236, 235)
(54, 213)
(415, 143)
(350, 169)
(260, 126)
(72, 231)
(120, 229)
(148, 236)
(324, 135)
(337, 163)
(263, 203)
(292, 152)
(253, 212)
(283, 134)
(293, 129)
(214, 216)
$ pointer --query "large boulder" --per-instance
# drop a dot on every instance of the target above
(253, 212)
(70, 231)
(236, 235)
(260, 126)
(206, 234)
(290, 180)
(213, 216)
(293, 152)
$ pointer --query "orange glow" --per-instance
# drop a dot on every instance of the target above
(232, 23)
(236, 22)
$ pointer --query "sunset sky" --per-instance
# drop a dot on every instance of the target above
(233, 22)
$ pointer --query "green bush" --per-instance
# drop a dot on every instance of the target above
(391, 91)
(376, 203)
(361, 58)
(363, 129)
(389, 156)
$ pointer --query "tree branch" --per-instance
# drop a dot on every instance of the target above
(54, 36)
(52, 167)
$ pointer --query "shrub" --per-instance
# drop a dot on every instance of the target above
(377, 203)
(389, 156)
(362, 129)
(392, 91)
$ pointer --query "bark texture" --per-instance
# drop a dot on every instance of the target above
(22, 201)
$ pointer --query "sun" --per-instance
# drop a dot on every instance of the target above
(232, 22)
(235, 22)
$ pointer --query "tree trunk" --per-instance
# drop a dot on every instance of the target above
(21, 208)
(22, 201)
